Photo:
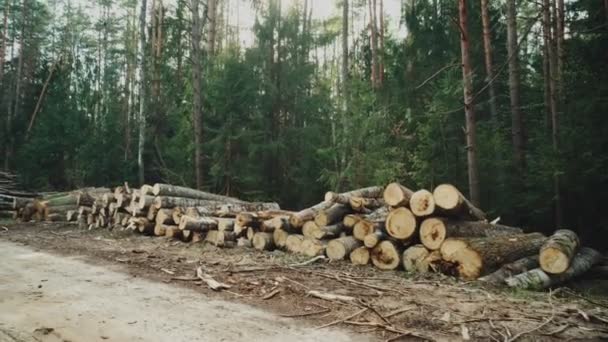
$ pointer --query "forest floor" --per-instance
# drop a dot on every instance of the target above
(59, 283)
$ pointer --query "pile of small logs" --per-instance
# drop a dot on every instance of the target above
(390, 227)
(12, 195)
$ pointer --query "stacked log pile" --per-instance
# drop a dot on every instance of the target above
(12, 196)
(389, 227)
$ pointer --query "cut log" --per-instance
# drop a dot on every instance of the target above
(401, 223)
(242, 242)
(539, 279)
(177, 214)
(143, 225)
(195, 212)
(386, 255)
(312, 247)
(145, 201)
(364, 228)
(278, 222)
(172, 202)
(329, 232)
(557, 253)
(474, 257)
(351, 220)
(511, 269)
(160, 229)
(169, 190)
(152, 211)
(231, 209)
(434, 230)
(422, 203)
(263, 241)
(413, 256)
(360, 256)
(221, 238)
(332, 215)
(293, 244)
(344, 198)
(165, 216)
(280, 237)
(59, 210)
(146, 189)
(429, 264)
(397, 195)
(373, 239)
(340, 248)
(197, 224)
(363, 203)
(450, 200)
(298, 219)
(173, 232)
(194, 237)
(250, 233)
(107, 198)
(122, 200)
(224, 224)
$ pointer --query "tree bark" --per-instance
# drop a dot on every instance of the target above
(386, 255)
(180, 191)
(340, 248)
(263, 241)
(142, 92)
(212, 19)
(517, 121)
(487, 48)
(401, 223)
(467, 76)
(197, 224)
(434, 231)
(197, 101)
(557, 253)
(381, 51)
(509, 270)
(344, 198)
(298, 219)
(472, 258)
(8, 133)
(332, 215)
(172, 202)
(397, 195)
(373, 28)
(345, 67)
(538, 279)
(452, 202)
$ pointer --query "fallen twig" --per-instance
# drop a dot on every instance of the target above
(389, 328)
(326, 310)
(186, 278)
(308, 262)
(211, 283)
(537, 327)
(331, 296)
(271, 294)
(167, 271)
(343, 319)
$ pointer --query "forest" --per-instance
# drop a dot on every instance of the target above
(505, 99)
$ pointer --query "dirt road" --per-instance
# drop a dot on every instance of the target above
(52, 298)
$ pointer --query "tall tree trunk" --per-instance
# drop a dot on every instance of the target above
(8, 133)
(345, 51)
(556, 105)
(468, 105)
(487, 48)
(517, 123)
(381, 52)
(374, 42)
(18, 85)
(142, 91)
(212, 18)
(197, 119)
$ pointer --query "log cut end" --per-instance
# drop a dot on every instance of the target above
(401, 223)
(447, 197)
(414, 256)
(395, 194)
(432, 233)
(386, 255)
(556, 254)
(371, 240)
(263, 241)
(339, 249)
(422, 203)
(460, 259)
(360, 256)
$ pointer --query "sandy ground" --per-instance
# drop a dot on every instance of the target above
(120, 286)
(51, 298)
